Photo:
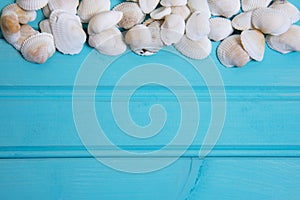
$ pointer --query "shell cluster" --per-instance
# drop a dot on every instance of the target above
(241, 26)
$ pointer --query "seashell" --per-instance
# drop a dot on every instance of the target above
(46, 11)
(220, 28)
(169, 3)
(26, 31)
(148, 6)
(270, 21)
(242, 21)
(65, 5)
(24, 16)
(253, 42)
(89, 8)
(67, 31)
(32, 4)
(132, 14)
(104, 20)
(108, 42)
(172, 29)
(160, 13)
(286, 42)
(194, 49)
(149, 21)
(156, 41)
(248, 5)
(199, 5)
(38, 48)
(225, 8)
(288, 8)
(10, 27)
(45, 26)
(183, 11)
(231, 53)
(197, 26)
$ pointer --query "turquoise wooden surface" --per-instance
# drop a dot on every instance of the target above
(42, 156)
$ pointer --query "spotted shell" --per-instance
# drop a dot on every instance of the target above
(32, 4)
(24, 16)
(89, 8)
(220, 28)
(253, 42)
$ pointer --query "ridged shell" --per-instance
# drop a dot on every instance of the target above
(220, 28)
(231, 53)
(65, 5)
(288, 8)
(225, 8)
(89, 8)
(132, 14)
(242, 21)
(26, 31)
(172, 29)
(248, 5)
(148, 6)
(197, 26)
(199, 5)
(32, 4)
(45, 26)
(160, 13)
(286, 42)
(194, 49)
(253, 42)
(24, 16)
(109, 42)
(168, 3)
(10, 27)
(270, 21)
(38, 48)
(104, 20)
(183, 11)
(67, 32)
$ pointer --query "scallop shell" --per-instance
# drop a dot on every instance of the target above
(132, 14)
(288, 8)
(109, 42)
(32, 4)
(10, 27)
(89, 8)
(172, 29)
(270, 21)
(242, 21)
(183, 11)
(253, 42)
(194, 49)
(45, 26)
(67, 32)
(286, 42)
(248, 5)
(160, 13)
(26, 31)
(65, 5)
(225, 8)
(199, 5)
(148, 6)
(231, 53)
(168, 3)
(220, 28)
(104, 20)
(197, 26)
(24, 16)
(38, 48)
(46, 11)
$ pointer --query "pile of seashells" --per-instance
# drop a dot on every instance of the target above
(146, 26)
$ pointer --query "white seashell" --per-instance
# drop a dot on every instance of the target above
(248, 5)
(104, 20)
(26, 31)
(199, 5)
(194, 49)
(46, 11)
(108, 42)
(183, 11)
(197, 26)
(132, 14)
(89, 8)
(24, 16)
(231, 53)
(65, 5)
(148, 6)
(67, 32)
(160, 13)
(288, 8)
(286, 42)
(156, 41)
(32, 4)
(172, 29)
(253, 42)
(38, 48)
(45, 26)
(10, 27)
(270, 21)
(168, 3)
(225, 8)
(220, 28)
(242, 21)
